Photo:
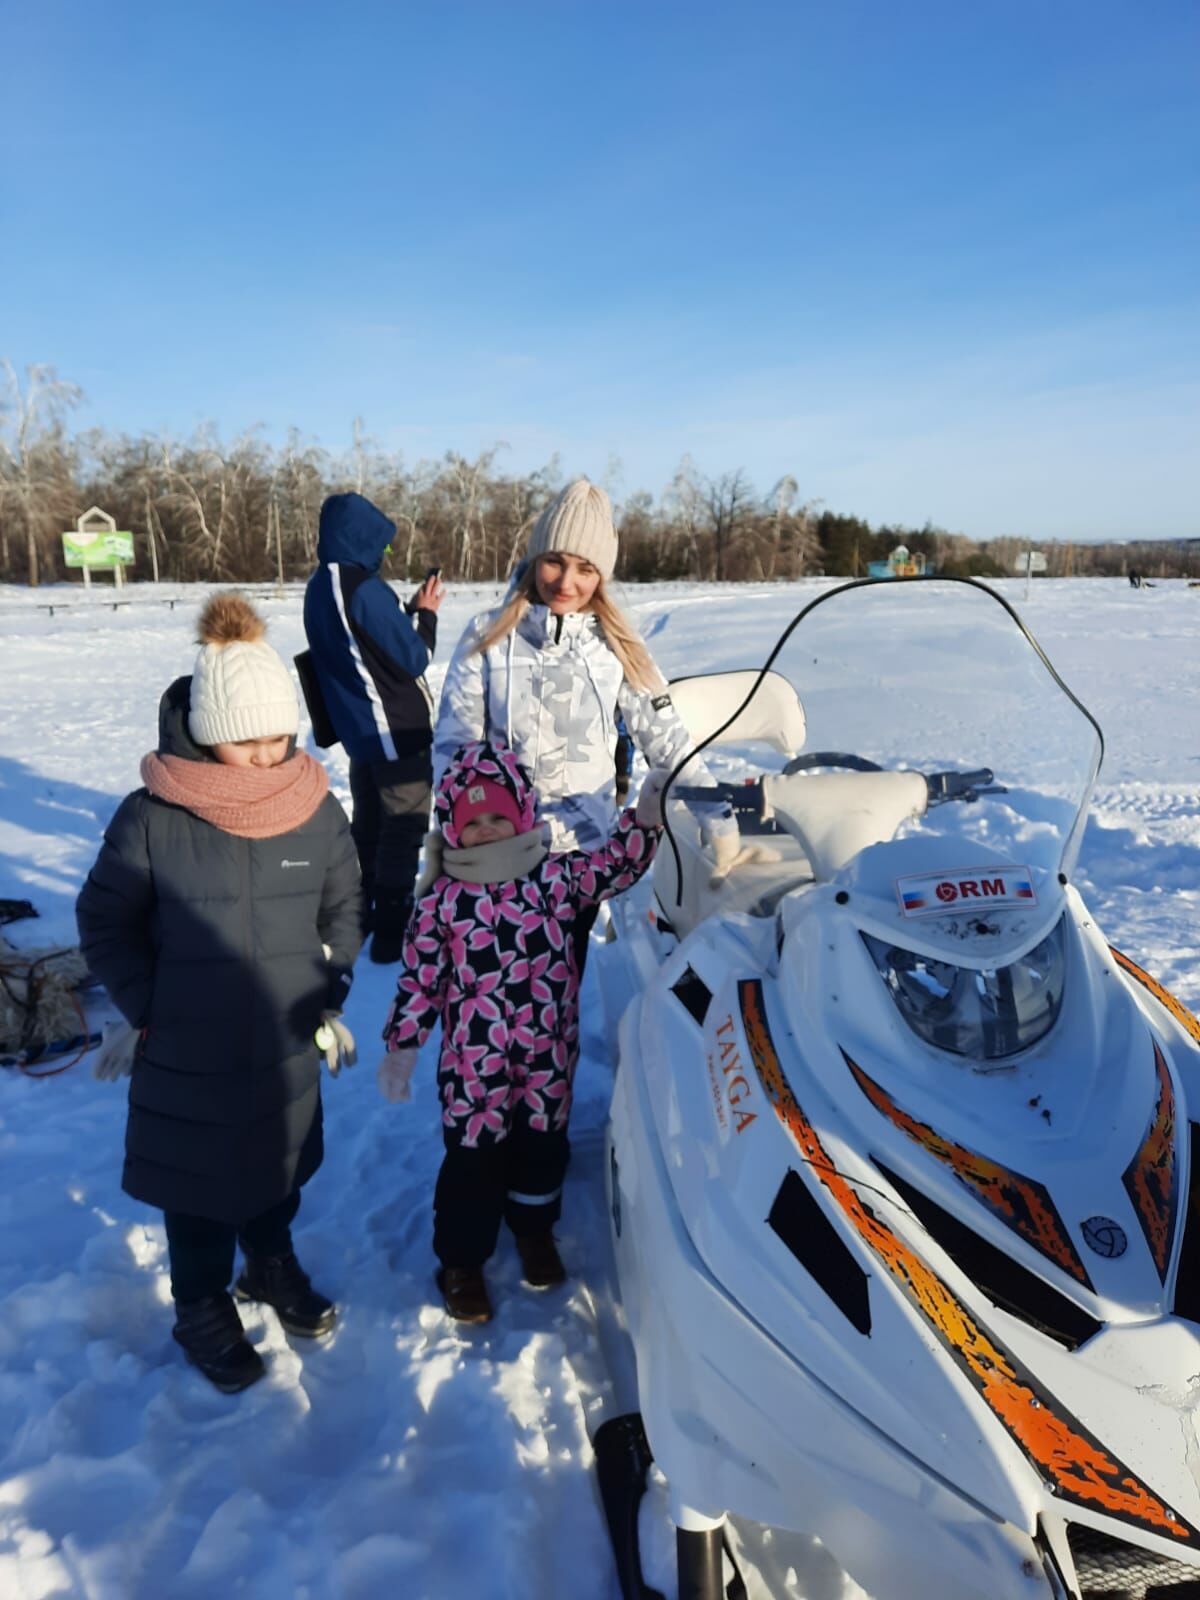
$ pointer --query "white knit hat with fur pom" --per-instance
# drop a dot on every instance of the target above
(578, 522)
(240, 687)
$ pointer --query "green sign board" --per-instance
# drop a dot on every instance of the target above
(98, 548)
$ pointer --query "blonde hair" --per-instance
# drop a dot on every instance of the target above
(620, 634)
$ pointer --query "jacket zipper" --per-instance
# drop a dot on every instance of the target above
(248, 947)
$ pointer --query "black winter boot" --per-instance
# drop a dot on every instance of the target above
(214, 1340)
(281, 1282)
(464, 1292)
(541, 1263)
(389, 919)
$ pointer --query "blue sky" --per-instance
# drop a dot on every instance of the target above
(938, 261)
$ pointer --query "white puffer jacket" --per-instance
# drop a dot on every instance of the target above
(550, 691)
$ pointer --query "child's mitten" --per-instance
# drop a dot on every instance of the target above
(117, 1050)
(649, 802)
(395, 1075)
(335, 1042)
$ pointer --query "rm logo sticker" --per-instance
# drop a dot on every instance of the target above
(965, 891)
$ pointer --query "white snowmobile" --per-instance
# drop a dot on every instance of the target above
(905, 1210)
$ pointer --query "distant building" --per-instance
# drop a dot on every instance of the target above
(1029, 561)
(900, 564)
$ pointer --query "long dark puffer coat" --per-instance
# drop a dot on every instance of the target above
(211, 943)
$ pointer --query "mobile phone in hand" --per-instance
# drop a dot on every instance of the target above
(410, 605)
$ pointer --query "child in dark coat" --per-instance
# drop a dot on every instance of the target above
(490, 952)
(223, 915)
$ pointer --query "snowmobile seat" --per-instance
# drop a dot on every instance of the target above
(775, 717)
(829, 818)
(756, 889)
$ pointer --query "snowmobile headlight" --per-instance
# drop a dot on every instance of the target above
(985, 1014)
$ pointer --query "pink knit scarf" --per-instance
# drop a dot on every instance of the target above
(252, 802)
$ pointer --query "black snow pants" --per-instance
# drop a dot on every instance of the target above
(391, 818)
(519, 1181)
(202, 1250)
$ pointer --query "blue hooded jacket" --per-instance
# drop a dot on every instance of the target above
(369, 654)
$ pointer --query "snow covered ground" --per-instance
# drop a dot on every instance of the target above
(400, 1456)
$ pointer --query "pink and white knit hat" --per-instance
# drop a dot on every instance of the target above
(496, 777)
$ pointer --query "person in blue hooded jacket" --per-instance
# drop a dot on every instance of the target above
(370, 654)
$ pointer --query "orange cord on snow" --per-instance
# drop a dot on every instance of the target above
(24, 969)
(52, 1072)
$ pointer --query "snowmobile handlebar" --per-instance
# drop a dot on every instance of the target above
(965, 786)
(747, 797)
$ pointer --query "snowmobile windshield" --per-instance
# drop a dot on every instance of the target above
(933, 675)
(984, 1014)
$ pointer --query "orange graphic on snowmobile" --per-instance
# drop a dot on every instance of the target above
(1178, 1010)
(1021, 1203)
(1151, 1177)
(1079, 1467)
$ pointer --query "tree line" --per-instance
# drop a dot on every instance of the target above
(245, 510)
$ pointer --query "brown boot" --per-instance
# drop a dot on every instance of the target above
(542, 1264)
(465, 1293)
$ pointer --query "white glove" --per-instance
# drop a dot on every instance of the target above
(395, 1075)
(730, 853)
(649, 801)
(118, 1047)
(335, 1042)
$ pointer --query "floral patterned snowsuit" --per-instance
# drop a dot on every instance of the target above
(496, 962)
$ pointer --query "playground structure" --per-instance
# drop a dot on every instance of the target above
(902, 563)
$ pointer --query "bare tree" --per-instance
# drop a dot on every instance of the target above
(729, 499)
(529, 496)
(614, 477)
(797, 545)
(408, 507)
(302, 487)
(465, 482)
(361, 456)
(684, 502)
(190, 482)
(32, 451)
(146, 479)
(780, 500)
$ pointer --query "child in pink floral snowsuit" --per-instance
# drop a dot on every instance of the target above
(489, 951)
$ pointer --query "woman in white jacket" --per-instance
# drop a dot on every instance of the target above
(548, 672)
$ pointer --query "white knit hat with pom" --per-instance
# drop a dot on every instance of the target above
(578, 522)
(240, 687)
